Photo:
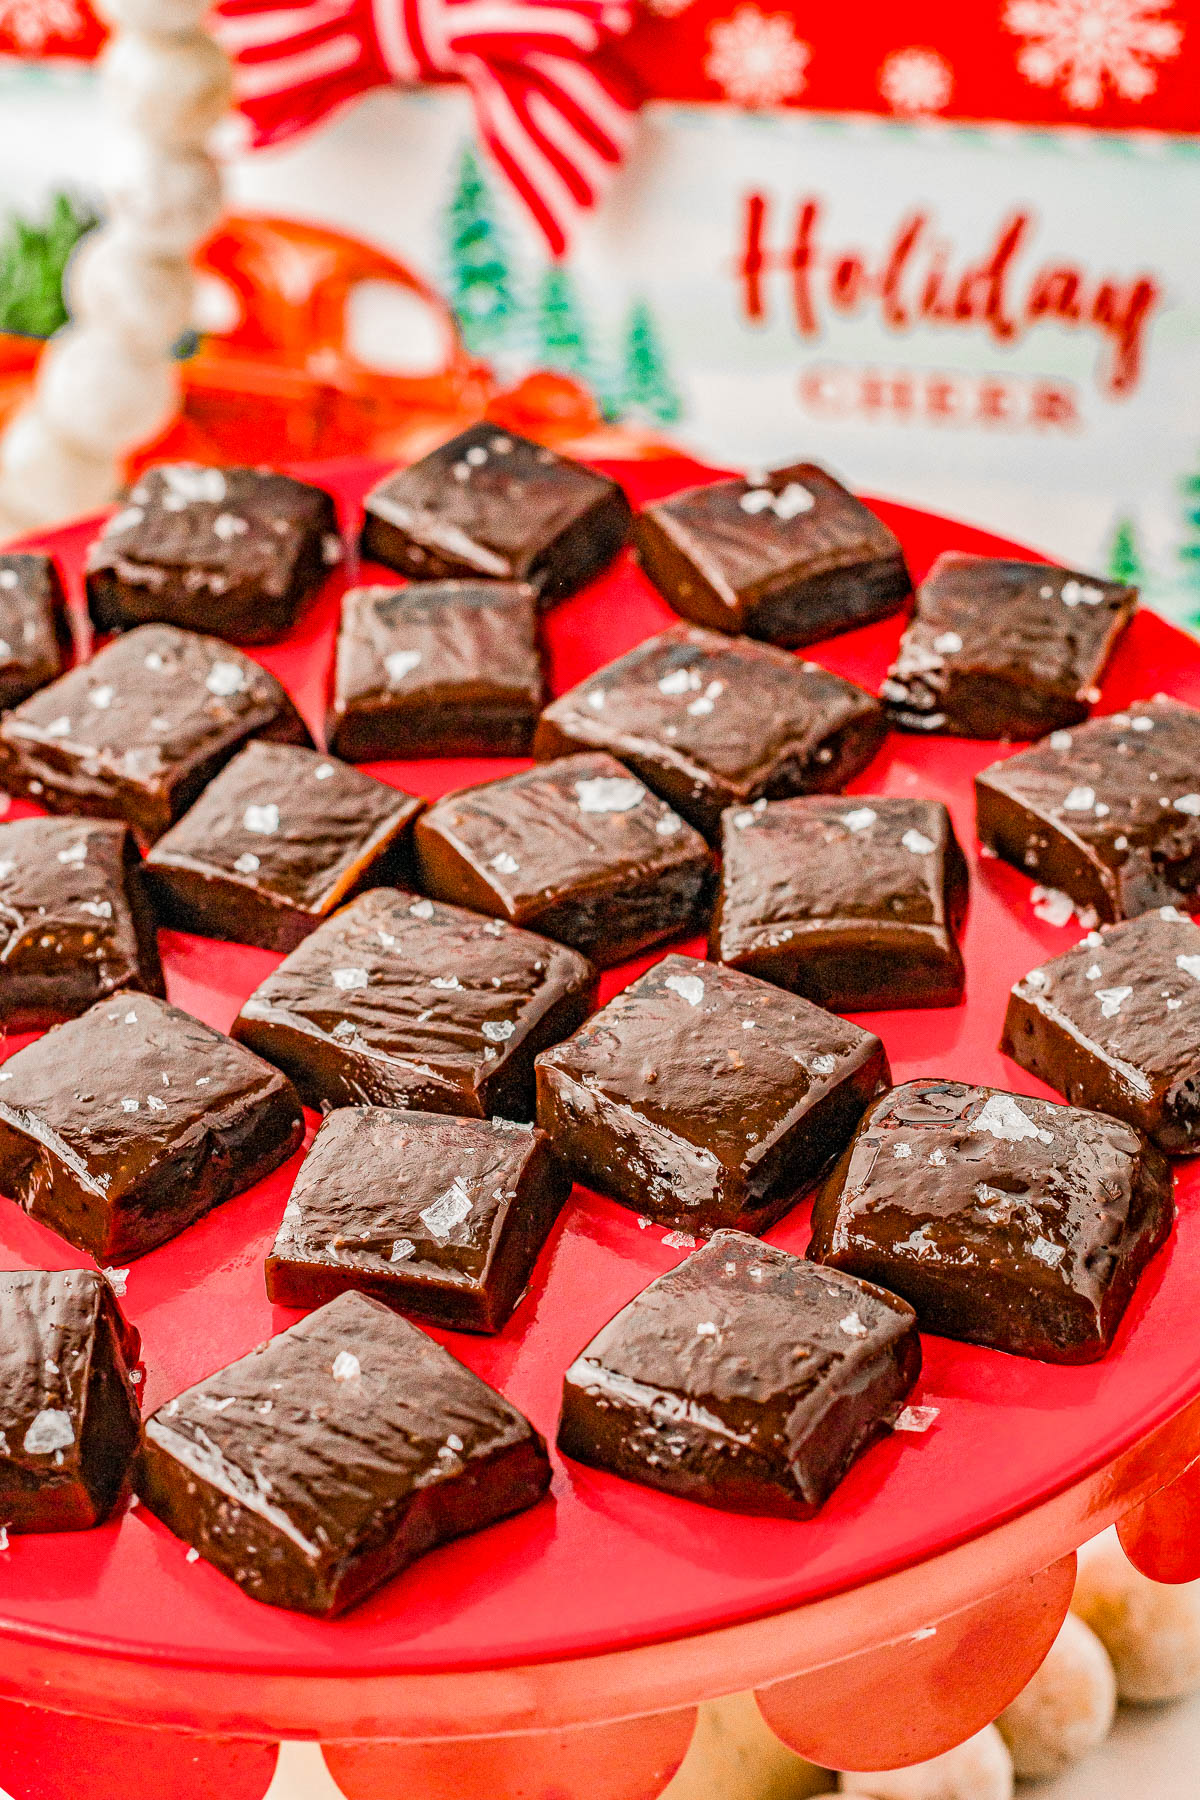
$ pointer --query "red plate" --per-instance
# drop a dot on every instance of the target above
(605, 1565)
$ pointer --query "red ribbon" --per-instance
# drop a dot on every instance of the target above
(553, 111)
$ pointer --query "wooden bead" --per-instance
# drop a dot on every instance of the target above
(735, 1755)
(168, 201)
(173, 90)
(1151, 1632)
(1068, 1708)
(144, 299)
(980, 1769)
(97, 395)
(43, 480)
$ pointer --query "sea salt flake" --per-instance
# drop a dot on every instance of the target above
(323, 771)
(345, 979)
(74, 855)
(225, 679)
(116, 1279)
(609, 794)
(402, 1249)
(263, 820)
(445, 1214)
(1188, 803)
(824, 1064)
(193, 1555)
(1052, 905)
(1003, 1117)
(917, 1418)
(504, 863)
(400, 663)
(948, 644)
(420, 909)
(1060, 740)
(681, 1240)
(901, 1151)
(1190, 966)
(498, 1031)
(1111, 1000)
(860, 819)
(102, 697)
(346, 1366)
(917, 842)
(1080, 593)
(1142, 723)
(228, 526)
(1080, 799)
(50, 1431)
(1046, 1252)
(707, 1329)
(247, 863)
(938, 1158)
(853, 1326)
(191, 483)
(688, 987)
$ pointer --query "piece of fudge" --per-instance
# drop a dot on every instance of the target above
(235, 552)
(1004, 649)
(856, 902)
(1114, 1025)
(322, 1464)
(1108, 814)
(746, 1379)
(709, 722)
(275, 843)
(123, 1127)
(577, 849)
(399, 1001)
(440, 668)
(790, 556)
(69, 1417)
(437, 1216)
(75, 922)
(492, 504)
(701, 1097)
(35, 635)
(1005, 1221)
(136, 733)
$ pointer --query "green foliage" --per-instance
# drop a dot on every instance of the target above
(33, 260)
(647, 389)
(562, 341)
(480, 278)
(1190, 549)
(1124, 557)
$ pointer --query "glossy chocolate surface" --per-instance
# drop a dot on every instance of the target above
(790, 556)
(1005, 1221)
(137, 732)
(1108, 813)
(123, 1127)
(69, 1418)
(327, 1460)
(1004, 649)
(709, 722)
(275, 843)
(75, 922)
(493, 504)
(439, 668)
(1114, 1024)
(35, 638)
(745, 1379)
(400, 1001)
(437, 1216)
(855, 901)
(233, 551)
(702, 1097)
(577, 849)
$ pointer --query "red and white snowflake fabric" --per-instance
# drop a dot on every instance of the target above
(757, 58)
(916, 81)
(1086, 46)
(38, 28)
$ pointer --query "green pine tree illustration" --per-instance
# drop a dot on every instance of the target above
(480, 275)
(33, 260)
(1190, 548)
(561, 334)
(1124, 556)
(647, 389)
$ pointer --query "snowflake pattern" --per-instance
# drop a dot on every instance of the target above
(756, 59)
(667, 9)
(915, 81)
(1086, 47)
(32, 24)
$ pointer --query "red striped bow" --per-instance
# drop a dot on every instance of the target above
(556, 120)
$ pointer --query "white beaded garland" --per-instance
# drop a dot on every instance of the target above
(171, 89)
(98, 396)
(41, 478)
(1068, 1708)
(1151, 1632)
(166, 200)
(980, 1769)
(735, 1755)
(143, 298)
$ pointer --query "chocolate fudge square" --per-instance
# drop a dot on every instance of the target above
(709, 722)
(1108, 813)
(789, 556)
(275, 843)
(35, 636)
(436, 1216)
(123, 1127)
(322, 1464)
(745, 1379)
(75, 921)
(1004, 649)
(399, 1001)
(855, 902)
(701, 1097)
(1114, 1025)
(69, 1418)
(136, 733)
(1005, 1221)
(233, 551)
(441, 668)
(492, 504)
(577, 849)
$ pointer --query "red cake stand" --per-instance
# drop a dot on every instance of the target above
(563, 1653)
